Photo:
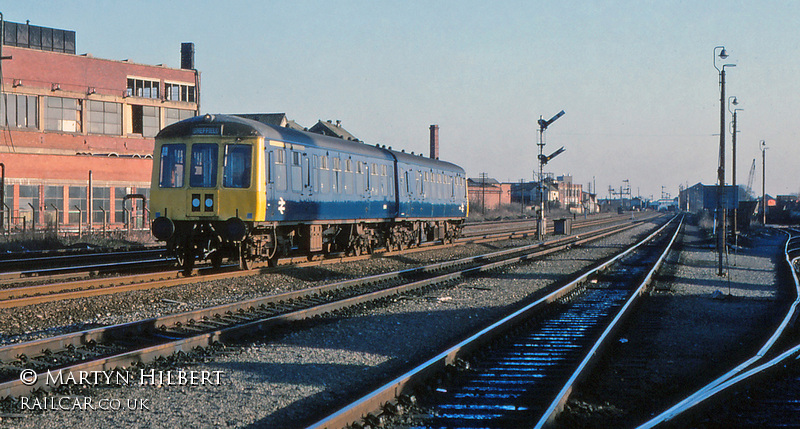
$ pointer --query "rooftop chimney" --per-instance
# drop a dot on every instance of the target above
(434, 142)
(187, 56)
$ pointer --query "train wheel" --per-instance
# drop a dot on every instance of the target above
(244, 256)
(186, 260)
(216, 259)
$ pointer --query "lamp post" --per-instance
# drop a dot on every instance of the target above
(721, 167)
(732, 100)
(763, 181)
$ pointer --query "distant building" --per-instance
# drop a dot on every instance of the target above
(569, 194)
(704, 197)
(487, 193)
(77, 131)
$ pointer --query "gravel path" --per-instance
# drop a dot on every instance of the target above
(309, 369)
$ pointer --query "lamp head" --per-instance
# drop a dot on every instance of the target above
(723, 54)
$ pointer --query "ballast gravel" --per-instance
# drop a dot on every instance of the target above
(303, 371)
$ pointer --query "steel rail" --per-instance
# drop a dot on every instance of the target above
(405, 383)
(557, 406)
(37, 294)
(738, 373)
(146, 354)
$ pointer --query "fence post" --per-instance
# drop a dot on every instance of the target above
(80, 217)
(33, 218)
(105, 217)
(56, 209)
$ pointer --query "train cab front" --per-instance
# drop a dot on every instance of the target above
(203, 194)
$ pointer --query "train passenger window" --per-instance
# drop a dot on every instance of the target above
(172, 165)
(203, 171)
(324, 165)
(279, 156)
(296, 158)
(237, 165)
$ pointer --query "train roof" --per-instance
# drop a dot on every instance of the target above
(235, 126)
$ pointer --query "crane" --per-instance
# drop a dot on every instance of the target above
(751, 176)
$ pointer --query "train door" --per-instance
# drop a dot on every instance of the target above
(308, 186)
(270, 175)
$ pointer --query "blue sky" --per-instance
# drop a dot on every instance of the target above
(636, 78)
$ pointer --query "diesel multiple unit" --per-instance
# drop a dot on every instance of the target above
(226, 187)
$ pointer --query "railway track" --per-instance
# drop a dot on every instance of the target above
(522, 368)
(160, 273)
(141, 342)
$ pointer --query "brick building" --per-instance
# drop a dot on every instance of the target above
(77, 131)
(487, 193)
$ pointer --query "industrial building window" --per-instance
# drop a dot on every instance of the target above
(28, 195)
(54, 201)
(62, 114)
(119, 204)
(19, 111)
(179, 92)
(105, 117)
(144, 88)
(77, 200)
(101, 198)
(144, 120)
(174, 115)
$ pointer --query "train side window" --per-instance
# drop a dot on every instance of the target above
(173, 160)
(237, 166)
(203, 171)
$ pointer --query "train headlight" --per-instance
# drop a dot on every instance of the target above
(195, 202)
(163, 228)
(209, 203)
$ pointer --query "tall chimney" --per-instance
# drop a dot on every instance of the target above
(434, 142)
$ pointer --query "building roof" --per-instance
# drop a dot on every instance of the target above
(480, 181)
